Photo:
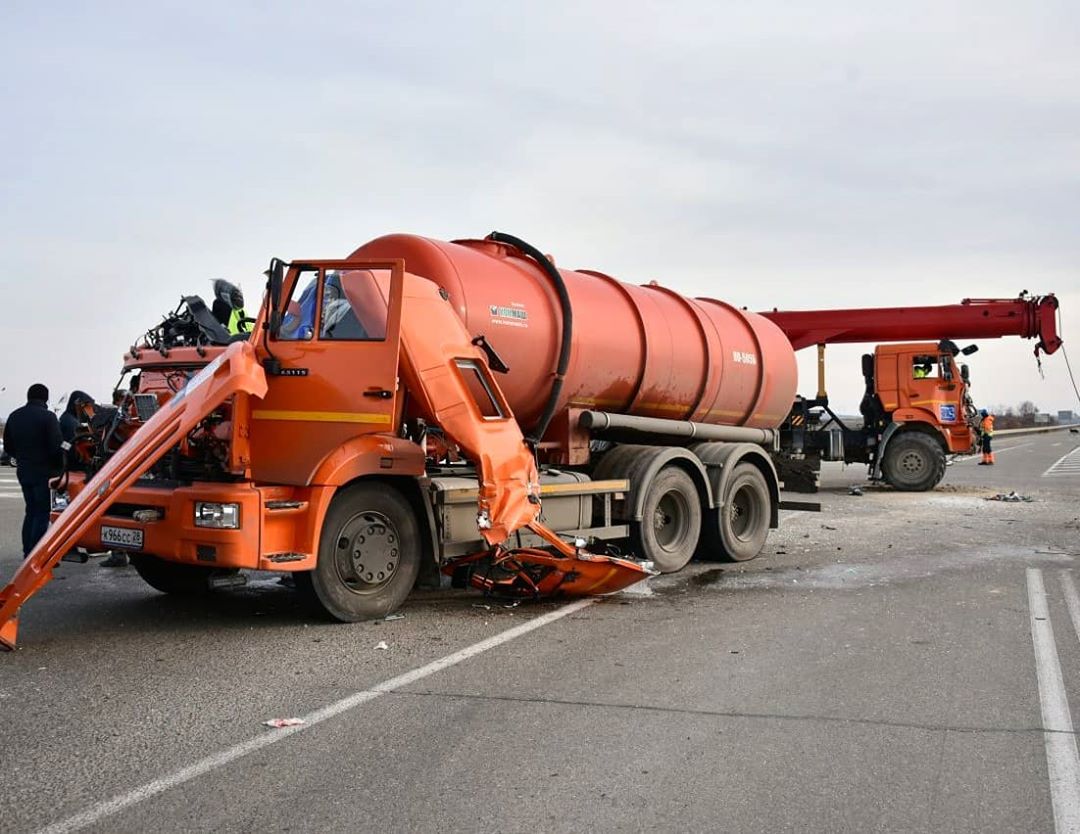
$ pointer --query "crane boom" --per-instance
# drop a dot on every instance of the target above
(1030, 317)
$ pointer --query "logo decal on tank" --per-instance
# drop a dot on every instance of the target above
(514, 315)
(744, 358)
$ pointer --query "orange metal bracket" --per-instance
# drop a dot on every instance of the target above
(234, 371)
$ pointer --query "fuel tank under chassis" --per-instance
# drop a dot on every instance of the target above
(641, 350)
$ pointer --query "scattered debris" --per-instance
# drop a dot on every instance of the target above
(381, 646)
(1012, 497)
(283, 722)
(481, 605)
(827, 527)
(390, 617)
(854, 490)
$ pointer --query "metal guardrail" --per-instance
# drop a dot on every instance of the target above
(1034, 430)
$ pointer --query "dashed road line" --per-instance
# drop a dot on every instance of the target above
(1062, 760)
(110, 807)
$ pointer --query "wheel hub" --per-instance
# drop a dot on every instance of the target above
(741, 512)
(368, 551)
(912, 463)
(669, 520)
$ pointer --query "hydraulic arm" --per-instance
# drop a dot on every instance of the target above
(1030, 317)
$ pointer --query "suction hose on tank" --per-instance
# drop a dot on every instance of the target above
(567, 328)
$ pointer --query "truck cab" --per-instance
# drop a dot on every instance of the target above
(919, 387)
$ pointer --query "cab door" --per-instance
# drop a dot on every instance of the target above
(332, 366)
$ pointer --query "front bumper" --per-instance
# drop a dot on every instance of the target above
(174, 536)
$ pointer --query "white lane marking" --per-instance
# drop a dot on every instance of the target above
(1062, 760)
(109, 807)
(1067, 464)
(1072, 600)
(997, 452)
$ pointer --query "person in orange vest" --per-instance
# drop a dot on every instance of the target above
(986, 434)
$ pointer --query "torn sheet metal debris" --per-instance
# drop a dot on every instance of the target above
(1011, 497)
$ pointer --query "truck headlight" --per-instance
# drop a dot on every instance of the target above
(221, 516)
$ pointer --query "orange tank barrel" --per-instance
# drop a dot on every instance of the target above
(639, 350)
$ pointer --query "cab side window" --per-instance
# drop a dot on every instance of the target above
(923, 367)
(298, 323)
(353, 306)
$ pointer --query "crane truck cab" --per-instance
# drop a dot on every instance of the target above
(919, 410)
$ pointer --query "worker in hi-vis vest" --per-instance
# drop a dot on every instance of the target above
(986, 434)
(229, 307)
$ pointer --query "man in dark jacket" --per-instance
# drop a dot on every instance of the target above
(32, 436)
(71, 420)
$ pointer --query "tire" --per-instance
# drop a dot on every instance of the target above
(369, 554)
(670, 523)
(171, 577)
(913, 462)
(736, 530)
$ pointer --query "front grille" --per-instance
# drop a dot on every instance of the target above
(128, 511)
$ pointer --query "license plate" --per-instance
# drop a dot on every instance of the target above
(123, 537)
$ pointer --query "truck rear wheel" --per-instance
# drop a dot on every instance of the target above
(736, 530)
(171, 577)
(913, 462)
(369, 554)
(670, 521)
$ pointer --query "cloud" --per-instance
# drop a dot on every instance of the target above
(771, 154)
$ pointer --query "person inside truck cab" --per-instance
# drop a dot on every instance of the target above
(922, 367)
(298, 323)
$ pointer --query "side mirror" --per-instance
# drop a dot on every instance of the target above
(275, 282)
(970, 349)
(965, 374)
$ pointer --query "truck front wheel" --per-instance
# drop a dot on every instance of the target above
(913, 462)
(171, 577)
(369, 554)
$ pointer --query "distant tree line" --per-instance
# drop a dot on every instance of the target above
(1018, 417)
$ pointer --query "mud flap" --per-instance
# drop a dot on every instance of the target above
(236, 371)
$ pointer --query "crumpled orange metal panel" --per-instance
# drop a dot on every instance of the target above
(235, 371)
(437, 353)
(450, 378)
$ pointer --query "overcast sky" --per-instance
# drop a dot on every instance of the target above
(791, 155)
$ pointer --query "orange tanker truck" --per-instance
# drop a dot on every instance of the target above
(424, 407)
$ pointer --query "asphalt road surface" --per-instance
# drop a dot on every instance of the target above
(897, 662)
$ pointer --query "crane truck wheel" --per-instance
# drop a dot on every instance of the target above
(913, 462)
(670, 520)
(736, 530)
(171, 577)
(369, 554)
